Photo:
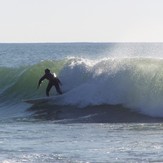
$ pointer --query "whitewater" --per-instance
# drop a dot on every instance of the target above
(110, 90)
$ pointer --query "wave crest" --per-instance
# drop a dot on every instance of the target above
(135, 83)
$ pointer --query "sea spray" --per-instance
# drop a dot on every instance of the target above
(133, 82)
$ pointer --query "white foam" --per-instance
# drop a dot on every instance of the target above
(136, 83)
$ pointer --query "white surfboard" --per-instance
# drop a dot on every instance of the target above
(43, 99)
(37, 100)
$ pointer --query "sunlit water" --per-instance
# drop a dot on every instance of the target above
(50, 142)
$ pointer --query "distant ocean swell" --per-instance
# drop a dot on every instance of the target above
(136, 83)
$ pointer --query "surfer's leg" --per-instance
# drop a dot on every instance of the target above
(48, 89)
(58, 88)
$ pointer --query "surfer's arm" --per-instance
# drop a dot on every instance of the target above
(40, 81)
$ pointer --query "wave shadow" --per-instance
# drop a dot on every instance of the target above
(91, 114)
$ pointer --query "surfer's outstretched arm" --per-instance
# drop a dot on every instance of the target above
(40, 81)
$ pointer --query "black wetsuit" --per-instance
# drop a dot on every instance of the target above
(53, 81)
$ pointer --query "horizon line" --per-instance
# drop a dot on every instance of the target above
(80, 42)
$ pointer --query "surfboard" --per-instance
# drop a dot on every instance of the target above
(44, 99)
(37, 100)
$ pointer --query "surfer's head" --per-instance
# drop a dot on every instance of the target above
(47, 71)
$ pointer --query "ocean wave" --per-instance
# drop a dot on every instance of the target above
(136, 83)
(22, 81)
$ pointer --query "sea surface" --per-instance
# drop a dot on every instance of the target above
(111, 109)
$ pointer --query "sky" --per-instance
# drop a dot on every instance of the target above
(81, 21)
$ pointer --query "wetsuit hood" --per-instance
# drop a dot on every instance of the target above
(47, 71)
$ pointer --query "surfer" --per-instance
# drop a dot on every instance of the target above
(53, 81)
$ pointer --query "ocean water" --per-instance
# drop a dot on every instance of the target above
(111, 109)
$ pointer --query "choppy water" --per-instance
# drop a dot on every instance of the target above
(49, 142)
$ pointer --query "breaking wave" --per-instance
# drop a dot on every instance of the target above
(135, 83)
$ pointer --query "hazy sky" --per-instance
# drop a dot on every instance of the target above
(81, 20)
